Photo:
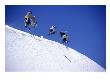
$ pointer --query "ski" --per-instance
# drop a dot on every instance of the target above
(67, 58)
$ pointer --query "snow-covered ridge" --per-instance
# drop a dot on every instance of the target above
(26, 52)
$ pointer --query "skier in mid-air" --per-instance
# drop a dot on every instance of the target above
(52, 30)
(30, 20)
(64, 37)
(27, 21)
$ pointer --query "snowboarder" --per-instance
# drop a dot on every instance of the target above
(62, 33)
(27, 21)
(52, 30)
(30, 20)
(64, 37)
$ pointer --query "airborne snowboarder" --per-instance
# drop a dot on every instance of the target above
(30, 20)
(64, 37)
(27, 21)
(52, 30)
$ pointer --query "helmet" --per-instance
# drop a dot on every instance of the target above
(30, 12)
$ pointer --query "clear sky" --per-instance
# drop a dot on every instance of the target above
(85, 24)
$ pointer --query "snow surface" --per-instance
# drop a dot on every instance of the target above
(28, 53)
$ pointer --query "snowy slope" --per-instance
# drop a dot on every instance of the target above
(26, 52)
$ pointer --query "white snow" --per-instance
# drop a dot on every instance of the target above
(30, 53)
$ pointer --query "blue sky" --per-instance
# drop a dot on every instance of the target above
(85, 24)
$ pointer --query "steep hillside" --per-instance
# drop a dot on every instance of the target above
(26, 52)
